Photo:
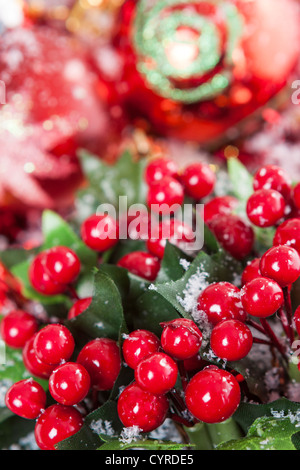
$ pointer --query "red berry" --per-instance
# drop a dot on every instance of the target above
(26, 398)
(231, 340)
(296, 196)
(40, 278)
(221, 301)
(297, 320)
(61, 264)
(233, 234)
(181, 338)
(101, 358)
(213, 395)
(282, 264)
(79, 307)
(57, 423)
(157, 373)
(69, 384)
(138, 345)
(262, 297)
(136, 407)
(265, 207)
(33, 364)
(17, 327)
(273, 177)
(164, 194)
(251, 271)
(176, 232)
(141, 264)
(222, 205)
(288, 234)
(198, 180)
(100, 232)
(54, 344)
(159, 168)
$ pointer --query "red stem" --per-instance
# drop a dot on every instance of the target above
(289, 313)
(275, 341)
(262, 341)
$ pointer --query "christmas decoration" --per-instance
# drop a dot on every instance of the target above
(196, 69)
(128, 336)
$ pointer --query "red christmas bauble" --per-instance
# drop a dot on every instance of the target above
(195, 69)
(51, 108)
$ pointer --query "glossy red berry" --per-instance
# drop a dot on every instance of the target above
(288, 234)
(141, 264)
(262, 297)
(164, 194)
(265, 207)
(213, 395)
(157, 373)
(54, 344)
(139, 345)
(181, 338)
(221, 301)
(69, 384)
(33, 364)
(79, 306)
(296, 196)
(26, 398)
(251, 271)
(101, 358)
(273, 177)
(17, 327)
(159, 168)
(235, 236)
(100, 232)
(231, 340)
(61, 264)
(198, 180)
(136, 407)
(57, 423)
(297, 320)
(282, 264)
(40, 279)
(176, 232)
(222, 205)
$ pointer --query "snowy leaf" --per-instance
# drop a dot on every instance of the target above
(267, 434)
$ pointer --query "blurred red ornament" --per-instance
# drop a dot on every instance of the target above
(195, 69)
(51, 109)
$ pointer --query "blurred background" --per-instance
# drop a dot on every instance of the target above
(200, 79)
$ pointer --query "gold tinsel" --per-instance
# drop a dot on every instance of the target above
(85, 17)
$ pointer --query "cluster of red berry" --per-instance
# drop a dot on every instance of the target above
(210, 394)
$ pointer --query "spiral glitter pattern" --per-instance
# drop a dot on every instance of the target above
(156, 27)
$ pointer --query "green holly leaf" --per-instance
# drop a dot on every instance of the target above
(108, 182)
(266, 433)
(105, 316)
(241, 180)
(247, 413)
(143, 444)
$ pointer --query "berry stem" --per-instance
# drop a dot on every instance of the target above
(183, 376)
(256, 326)
(285, 324)
(275, 341)
(73, 292)
(180, 420)
(289, 313)
(262, 341)
(177, 400)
